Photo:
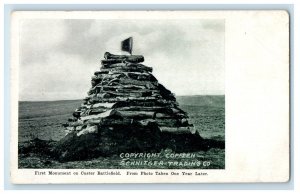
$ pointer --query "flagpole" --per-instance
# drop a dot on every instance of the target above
(131, 46)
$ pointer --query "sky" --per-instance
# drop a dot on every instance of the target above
(58, 57)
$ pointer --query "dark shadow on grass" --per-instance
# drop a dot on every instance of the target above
(109, 143)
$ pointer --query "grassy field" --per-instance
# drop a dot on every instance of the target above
(43, 120)
(207, 113)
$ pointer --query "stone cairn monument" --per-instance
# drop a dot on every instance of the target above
(125, 93)
(127, 109)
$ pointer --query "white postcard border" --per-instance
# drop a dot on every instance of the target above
(273, 152)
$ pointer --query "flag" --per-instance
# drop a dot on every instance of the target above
(126, 45)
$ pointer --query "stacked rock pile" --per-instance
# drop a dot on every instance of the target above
(125, 93)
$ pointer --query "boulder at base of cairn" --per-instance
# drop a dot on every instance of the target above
(107, 141)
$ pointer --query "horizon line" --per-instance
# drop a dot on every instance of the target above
(83, 99)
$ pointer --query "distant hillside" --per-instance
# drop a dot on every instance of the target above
(205, 100)
(31, 109)
(44, 119)
(34, 109)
